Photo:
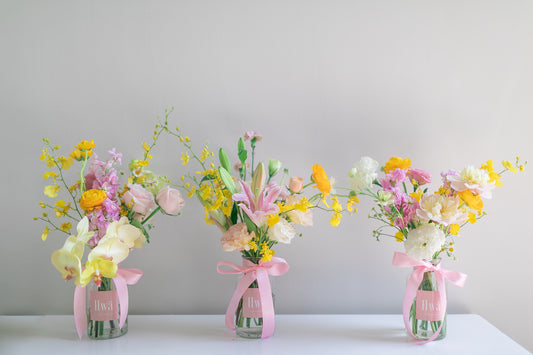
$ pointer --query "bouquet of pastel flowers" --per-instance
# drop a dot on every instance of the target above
(112, 219)
(255, 212)
(427, 223)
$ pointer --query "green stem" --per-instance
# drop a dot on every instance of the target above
(151, 215)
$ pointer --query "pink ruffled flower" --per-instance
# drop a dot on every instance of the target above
(236, 238)
(140, 199)
(422, 177)
(249, 135)
(170, 200)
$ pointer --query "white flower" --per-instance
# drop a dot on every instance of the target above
(424, 241)
(475, 180)
(441, 209)
(363, 173)
(282, 232)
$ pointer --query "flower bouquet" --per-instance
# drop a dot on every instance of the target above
(112, 219)
(255, 212)
(427, 223)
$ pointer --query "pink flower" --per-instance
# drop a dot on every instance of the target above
(140, 199)
(170, 200)
(258, 207)
(249, 135)
(422, 177)
(296, 184)
(236, 238)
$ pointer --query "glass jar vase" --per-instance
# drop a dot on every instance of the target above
(249, 314)
(427, 313)
(103, 311)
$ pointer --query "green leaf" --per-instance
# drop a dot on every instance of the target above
(227, 179)
(234, 214)
(251, 225)
(242, 152)
(224, 159)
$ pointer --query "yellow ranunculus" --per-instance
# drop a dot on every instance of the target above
(92, 199)
(473, 201)
(80, 155)
(321, 179)
(397, 163)
(85, 145)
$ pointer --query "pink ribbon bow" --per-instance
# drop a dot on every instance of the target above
(420, 267)
(124, 278)
(252, 272)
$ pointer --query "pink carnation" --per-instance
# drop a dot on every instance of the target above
(236, 238)
(249, 135)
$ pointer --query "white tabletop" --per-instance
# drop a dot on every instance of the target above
(294, 334)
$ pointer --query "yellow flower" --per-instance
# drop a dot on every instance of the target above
(85, 145)
(42, 205)
(473, 201)
(321, 179)
(336, 219)
(454, 229)
(46, 231)
(92, 199)
(61, 208)
(493, 176)
(65, 227)
(252, 244)
(146, 146)
(417, 195)
(51, 191)
(442, 191)
(80, 155)
(185, 158)
(272, 220)
(266, 252)
(509, 166)
(43, 154)
(96, 269)
(49, 174)
(65, 163)
(399, 236)
(472, 217)
(397, 163)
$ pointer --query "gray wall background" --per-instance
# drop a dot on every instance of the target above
(445, 83)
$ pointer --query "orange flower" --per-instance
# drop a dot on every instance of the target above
(92, 199)
(321, 179)
(397, 163)
(473, 201)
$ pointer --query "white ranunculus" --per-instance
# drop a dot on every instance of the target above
(282, 232)
(424, 241)
(363, 173)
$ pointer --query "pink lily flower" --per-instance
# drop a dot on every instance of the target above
(257, 207)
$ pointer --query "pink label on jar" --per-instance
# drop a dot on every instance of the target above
(428, 306)
(251, 304)
(103, 305)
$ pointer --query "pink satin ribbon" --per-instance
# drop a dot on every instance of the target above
(124, 278)
(252, 272)
(420, 267)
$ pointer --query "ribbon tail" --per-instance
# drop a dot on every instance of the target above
(80, 313)
(267, 304)
(242, 286)
(122, 291)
